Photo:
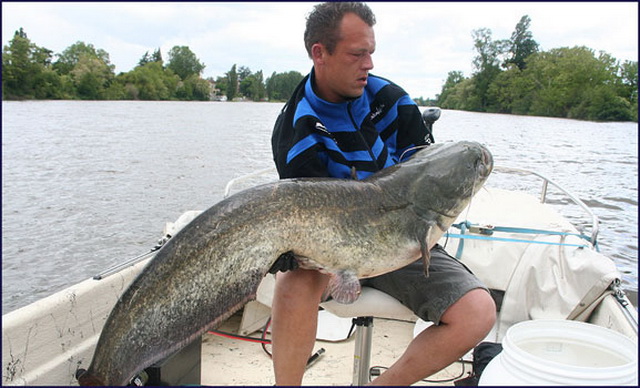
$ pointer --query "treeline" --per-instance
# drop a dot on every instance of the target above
(513, 76)
(510, 76)
(83, 72)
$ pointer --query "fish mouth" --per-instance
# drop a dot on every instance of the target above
(485, 163)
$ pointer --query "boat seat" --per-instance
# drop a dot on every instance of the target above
(370, 304)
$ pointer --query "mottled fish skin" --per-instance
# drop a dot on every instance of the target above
(349, 229)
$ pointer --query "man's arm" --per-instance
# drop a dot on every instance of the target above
(297, 151)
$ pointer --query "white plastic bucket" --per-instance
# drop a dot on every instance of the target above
(561, 352)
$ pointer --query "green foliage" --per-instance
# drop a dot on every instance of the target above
(627, 82)
(421, 101)
(26, 69)
(453, 78)
(149, 82)
(194, 88)
(239, 81)
(487, 65)
(562, 82)
(232, 83)
(511, 92)
(463, 96)
(280, 86)
(184, 63)
(252, 86)
(521, 44)
(91, 76)
(71, 56)
(155, 57)
(565, 78)
(221, 85)
(602, 104)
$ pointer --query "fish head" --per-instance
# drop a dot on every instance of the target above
(445, 178)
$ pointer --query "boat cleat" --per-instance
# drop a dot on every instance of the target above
(486, 230)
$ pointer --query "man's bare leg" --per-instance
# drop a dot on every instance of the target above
(294, 322)
(462, 326)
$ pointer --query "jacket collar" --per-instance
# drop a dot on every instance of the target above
(337, 112)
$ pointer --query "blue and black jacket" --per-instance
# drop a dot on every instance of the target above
(316, 138)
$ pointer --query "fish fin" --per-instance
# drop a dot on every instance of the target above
(344, 287)
(424, 250)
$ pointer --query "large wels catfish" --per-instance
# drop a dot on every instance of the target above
(348, 229)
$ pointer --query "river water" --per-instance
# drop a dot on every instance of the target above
(87, 185)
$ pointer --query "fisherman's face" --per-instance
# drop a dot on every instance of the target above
(342, 76)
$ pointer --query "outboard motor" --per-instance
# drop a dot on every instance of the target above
(430, 115)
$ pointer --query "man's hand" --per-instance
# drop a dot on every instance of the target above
(286, 262)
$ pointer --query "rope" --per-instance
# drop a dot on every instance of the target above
(486, 233)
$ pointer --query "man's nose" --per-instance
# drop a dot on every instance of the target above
(367, 62)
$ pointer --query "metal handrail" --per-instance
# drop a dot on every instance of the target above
(227, 188)
(543, 196)
(131, 261)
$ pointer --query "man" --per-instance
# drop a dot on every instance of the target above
(344, 122)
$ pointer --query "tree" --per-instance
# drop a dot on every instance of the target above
(511, 91)
(16, 64)
(232, 83)
(146, 58)
(280, 86)
(26, 69)
(194, 88)
(89, 70)
(252, 86)
(571, 82)
(487, 65)
(150, 82)
(221, 85)
(522, 44)
(70, 57)
(91, 77)
(453, 78)
(243, 72)
(184, 63)
(602, 104)
(463, 96)
(628, 81)
(260, 91)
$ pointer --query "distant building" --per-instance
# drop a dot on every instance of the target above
(215, 92)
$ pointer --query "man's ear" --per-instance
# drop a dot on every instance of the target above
(318, 52)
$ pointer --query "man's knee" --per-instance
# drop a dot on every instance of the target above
(476, 309)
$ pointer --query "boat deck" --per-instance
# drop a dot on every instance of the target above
(228, 361)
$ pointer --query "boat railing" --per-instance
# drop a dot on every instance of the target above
(246, 177)
(543, 196)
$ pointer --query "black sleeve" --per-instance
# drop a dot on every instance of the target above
(412, 126)
(286, 135)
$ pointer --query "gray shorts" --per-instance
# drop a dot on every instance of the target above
(428, 297)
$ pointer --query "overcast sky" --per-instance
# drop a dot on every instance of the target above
(417, 43)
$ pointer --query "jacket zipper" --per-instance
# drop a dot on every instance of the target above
(353, 122)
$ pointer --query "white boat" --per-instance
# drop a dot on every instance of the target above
(539, 266)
